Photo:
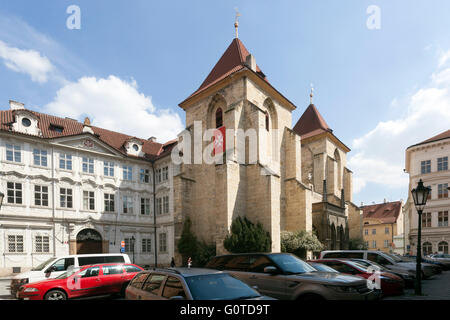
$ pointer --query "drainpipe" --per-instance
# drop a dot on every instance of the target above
(154, 213)
(53, 202)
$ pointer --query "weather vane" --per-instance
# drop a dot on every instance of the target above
(311, 95)
(236, 22)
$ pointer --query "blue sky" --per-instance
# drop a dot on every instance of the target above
(379, 90)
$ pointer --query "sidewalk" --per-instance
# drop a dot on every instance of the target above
(437, 288)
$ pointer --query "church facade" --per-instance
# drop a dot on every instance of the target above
(299, 180)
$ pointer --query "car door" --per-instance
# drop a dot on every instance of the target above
(59, 267)
(173, 287)
(134, 289)
(89, 282)
(112, 278)
(151, 290)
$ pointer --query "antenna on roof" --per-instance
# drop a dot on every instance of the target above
(311, 95)
(236, 22)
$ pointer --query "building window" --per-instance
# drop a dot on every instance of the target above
(443, 247)
(166, 204)
(14, 192)
(109, 202)
(165, 173)
(13, 153)
(65, 161)
(158, 206)
(128, 245)
(163, 242)
(108, 169)
(386, 243)
(88, 200)
(267, 121)
(366, 243)
(127, 173)
(40, 157)
(158, 175)
(65, 198)
(41, 196)
(442, 164)
(219, 118)
(374, 243)
(127, 204)
(146, 245)
(374, 231)
(88, 165)
(443, 219)
(366, 232)
(429, 193)
(443, 190)
(427, 248)
(425, 166)
(145, 206)
(41, 244)
(145, 176)
(15, 243)
(386, 230)
(426, 220)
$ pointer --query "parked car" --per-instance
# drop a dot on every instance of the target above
(86, 281)
(407, 278)
(189, 284)
(437, 266)
(442, 258)
(284, 276)
(389, 283)
(56, 266)
(392, 263)
(321, 267)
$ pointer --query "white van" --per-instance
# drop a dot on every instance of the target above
(56, 266)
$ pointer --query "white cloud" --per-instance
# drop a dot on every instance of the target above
(379, 155)
(29, 62)
(444, 58)
(117, 105)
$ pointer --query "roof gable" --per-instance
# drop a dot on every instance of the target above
(385, 212)
(311, 123)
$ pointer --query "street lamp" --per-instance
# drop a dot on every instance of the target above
(132, 246)
(420, 196)
(2, 195)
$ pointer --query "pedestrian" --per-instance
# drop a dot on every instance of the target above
(172, 263)
(189, 262)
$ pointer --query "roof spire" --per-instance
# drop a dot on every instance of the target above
(311, 95)
(236, 22)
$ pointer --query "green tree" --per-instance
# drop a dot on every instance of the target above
(247, 237)
(300, 242)
(357, 244)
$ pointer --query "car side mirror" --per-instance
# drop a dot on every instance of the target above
(50, 269)
(177, 298)
(270, 270)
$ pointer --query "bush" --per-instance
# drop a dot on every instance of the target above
(299, 242)
(357, 244)
(247, 237)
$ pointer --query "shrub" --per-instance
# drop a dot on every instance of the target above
(357, 244)
(300, 242)
(247, 237)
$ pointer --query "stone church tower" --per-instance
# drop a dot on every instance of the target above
(291, 185)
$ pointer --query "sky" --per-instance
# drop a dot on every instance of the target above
(381, 78)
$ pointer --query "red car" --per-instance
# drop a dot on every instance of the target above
(390, 284)
(91, 280)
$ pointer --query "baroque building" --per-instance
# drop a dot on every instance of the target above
(71, 188)
(428, 160)
(299, 179)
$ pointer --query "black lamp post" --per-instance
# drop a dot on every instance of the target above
(132, 246)
(420, 196)
(2, 195)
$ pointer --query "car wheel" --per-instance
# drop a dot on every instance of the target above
(55, 295)
(310, 297)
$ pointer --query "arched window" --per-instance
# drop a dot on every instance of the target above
(443, 247)
(427, 248)
(219, 118)
(267, 121)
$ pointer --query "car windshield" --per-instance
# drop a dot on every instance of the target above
(321, 267)
(395, 258)
(291, 264)
(358, 265)
(220, 286)
(371, 263)
(42, 265)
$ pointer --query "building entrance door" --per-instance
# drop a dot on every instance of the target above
(89, 241)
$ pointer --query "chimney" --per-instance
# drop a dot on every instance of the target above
(14, 105)
(152, 139)
(251, 62)
(385, 200)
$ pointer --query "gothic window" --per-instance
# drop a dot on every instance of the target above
(267, 121)
(219, 118)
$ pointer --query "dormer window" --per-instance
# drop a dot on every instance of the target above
(56, 128)
(134, 147)
(26, 122)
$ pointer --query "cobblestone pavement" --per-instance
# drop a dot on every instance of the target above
(437, 288)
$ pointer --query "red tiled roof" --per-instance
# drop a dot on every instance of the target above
(311, 123)
(231, 61)
(441, 136)
(386, 212)
(116, 140)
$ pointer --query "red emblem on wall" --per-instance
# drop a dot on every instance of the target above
(219, 140)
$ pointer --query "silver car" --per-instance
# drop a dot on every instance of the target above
(284, 276)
